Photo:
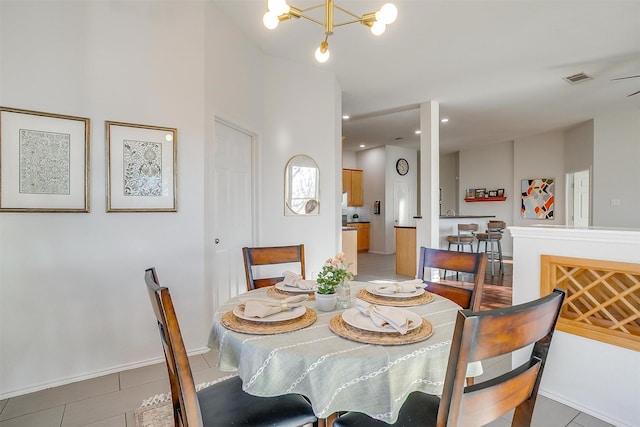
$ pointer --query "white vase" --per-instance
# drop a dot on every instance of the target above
(326, 302)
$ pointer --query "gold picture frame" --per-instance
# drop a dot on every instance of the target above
(141, 167)
(44, 161)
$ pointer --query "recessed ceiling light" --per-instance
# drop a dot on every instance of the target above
(362, 145)
(345, 117)
(445, 120)
(418, 132)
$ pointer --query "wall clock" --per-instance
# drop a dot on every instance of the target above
(402, 166)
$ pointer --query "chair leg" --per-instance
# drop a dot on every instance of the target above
(500, 257)
(492, 259)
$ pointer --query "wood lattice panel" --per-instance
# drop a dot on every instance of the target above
(603, 298)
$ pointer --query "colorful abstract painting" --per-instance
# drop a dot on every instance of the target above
(537, 198)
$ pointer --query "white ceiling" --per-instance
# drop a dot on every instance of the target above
(495, 67)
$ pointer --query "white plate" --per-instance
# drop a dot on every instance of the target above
(355, 318)
(372, 290)
(278, 317)
(286, 288)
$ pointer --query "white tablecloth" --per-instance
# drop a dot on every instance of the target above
(334, 373)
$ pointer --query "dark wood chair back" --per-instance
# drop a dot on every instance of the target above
(492, 333)
(466, 296)
(186, 408)
(269, 256)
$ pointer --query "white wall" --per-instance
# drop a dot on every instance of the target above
(72, 298)
(578, 147)
(615, 170)
(449, 177)
(392, 154)
(293, 125)
(372, 162)
(490, 167)
(539, 156)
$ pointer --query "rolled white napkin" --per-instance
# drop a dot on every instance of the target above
(407, 286)
(294, 280)
(384, 316)
(263, 307)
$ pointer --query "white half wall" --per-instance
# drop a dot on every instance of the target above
(594, 377)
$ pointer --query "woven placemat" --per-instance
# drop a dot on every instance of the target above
(367, 296)
(233, 322)
(340, 327)
(280, 294)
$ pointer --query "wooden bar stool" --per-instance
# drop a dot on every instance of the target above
(465, 236)
(493, 236)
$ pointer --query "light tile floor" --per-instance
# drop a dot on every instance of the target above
(109, 401)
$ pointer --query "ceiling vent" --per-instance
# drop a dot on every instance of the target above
(577, 78)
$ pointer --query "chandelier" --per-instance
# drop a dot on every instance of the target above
(279, 10)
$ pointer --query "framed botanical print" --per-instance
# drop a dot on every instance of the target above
(141, 168)
(44, 162)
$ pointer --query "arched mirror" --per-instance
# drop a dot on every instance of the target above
(302, 186)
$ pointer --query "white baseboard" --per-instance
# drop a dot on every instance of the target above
(586, 410)
(90, 375)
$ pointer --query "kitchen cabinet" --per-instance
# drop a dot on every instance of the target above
(352, 184)
(363, 235)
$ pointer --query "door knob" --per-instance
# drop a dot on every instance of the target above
(217, 241)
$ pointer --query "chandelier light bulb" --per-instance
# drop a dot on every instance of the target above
(278, 7)
(270, 20)
(387, 14)
(322, 52)
(378, 28)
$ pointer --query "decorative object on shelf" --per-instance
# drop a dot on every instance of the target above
(537, 198)
(471, 193)
(480, 193)
(402, 167)
(44, 162)
(141, 168)
(279, 10)
(334, 272)
(500, 192)
(493, 193)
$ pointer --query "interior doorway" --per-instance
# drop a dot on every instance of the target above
(229, 209)
(578, 198)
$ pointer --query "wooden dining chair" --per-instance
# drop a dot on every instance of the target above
(223, 403)
(465, 295)
(477, 336)
(270, 256)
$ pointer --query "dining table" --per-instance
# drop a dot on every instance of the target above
(335, 373)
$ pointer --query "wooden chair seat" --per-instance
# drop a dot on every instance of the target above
(460, 239)
(479, 336)
(488, 236)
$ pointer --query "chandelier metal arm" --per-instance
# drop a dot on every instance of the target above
(279, 10)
